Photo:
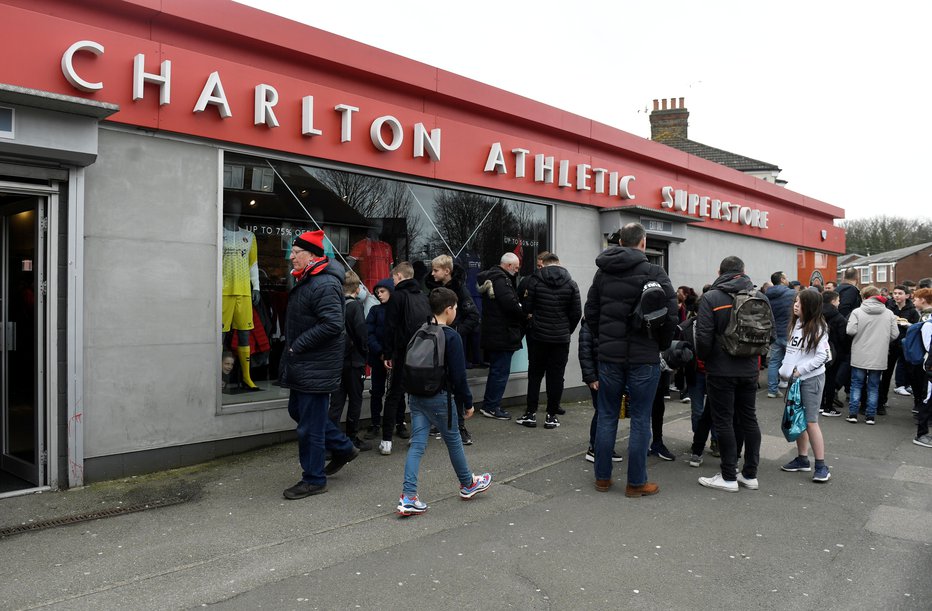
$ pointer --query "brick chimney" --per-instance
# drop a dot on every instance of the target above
(669, 122)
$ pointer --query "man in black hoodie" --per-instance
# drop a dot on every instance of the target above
(906, 314)
(551, 301)
(501, 330)
(629, 353)
(840, 344)
(731, 380)
(849, 295)
(444, 273)
(405, 312)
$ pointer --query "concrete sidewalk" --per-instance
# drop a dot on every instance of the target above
(227, 536)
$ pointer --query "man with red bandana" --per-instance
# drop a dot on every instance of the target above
(312, 362)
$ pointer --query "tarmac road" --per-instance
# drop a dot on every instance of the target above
(540, 538)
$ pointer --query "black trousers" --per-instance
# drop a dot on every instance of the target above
(828, 394)
(659, 408)
(377, 394)
(548, 360)
(351, 384)
(895, 354)
(733, 407)
(395, 398)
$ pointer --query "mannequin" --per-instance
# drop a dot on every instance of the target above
(240, 284)
(374, 256)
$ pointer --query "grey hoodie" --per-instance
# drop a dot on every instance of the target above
(873, 327)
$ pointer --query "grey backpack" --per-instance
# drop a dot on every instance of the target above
(750, 327)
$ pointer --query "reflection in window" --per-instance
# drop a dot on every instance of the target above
(371, 224)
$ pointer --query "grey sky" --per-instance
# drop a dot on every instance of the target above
(832, 92)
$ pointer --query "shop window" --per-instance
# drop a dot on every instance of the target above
(881, 273)
(865, 275)
(6, 122)
(371, 223)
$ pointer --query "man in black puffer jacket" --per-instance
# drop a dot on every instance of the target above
(629, 354)
(731, 380)
(840, 345)
(551, 302)
(312, 362)
(500, 335)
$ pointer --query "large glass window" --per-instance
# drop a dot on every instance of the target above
(371, 224)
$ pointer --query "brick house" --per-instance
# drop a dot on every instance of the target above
(887, 269)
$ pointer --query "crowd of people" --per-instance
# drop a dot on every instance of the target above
(638, 339)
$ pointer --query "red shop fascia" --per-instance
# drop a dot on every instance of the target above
(202, 69)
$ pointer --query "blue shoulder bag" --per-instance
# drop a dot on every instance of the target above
(794, 414)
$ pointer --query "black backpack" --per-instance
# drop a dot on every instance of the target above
(650, 312)
(425, 370)
(750, 326)
(416, 313)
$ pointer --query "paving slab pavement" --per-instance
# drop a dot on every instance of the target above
(540, 538)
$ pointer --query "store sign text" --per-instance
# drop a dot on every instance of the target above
(385, 132)
(703, 206)
(587, 178)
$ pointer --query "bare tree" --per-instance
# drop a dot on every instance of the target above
(882, 233)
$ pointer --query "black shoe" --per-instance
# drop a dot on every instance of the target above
(465, 436)
(402, 431)
(339, 460)
(500, 414)
(713, 449)
(373, 432)
(362, 446)
(303, 489)
(551, 422)
(528, 419)
(882, 410)
(561, 411)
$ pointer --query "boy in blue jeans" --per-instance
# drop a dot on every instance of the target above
(427, 411)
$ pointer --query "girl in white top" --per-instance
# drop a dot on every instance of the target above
(807, 352)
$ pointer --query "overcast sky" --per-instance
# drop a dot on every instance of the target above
(834, 93)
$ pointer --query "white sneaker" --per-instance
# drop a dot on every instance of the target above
(385, 448)
(901, 390)
(750, 484)
(719, 483)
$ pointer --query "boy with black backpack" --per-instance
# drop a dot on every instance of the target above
(437, 367)
(405, 312)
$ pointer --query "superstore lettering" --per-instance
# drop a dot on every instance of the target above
(708, 207)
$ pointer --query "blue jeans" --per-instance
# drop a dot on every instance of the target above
(499, 370)
(316, 434)
(424, 412)
(641, 383)
(873, 391)
(697, 398)
(777, 352)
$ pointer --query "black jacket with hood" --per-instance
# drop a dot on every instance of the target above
(849, 299)
(502, 316)
(467, 314)
(837, 333)
(396, 334)
(613, 296)
(551, 300)
(714, 315)
(312, 361)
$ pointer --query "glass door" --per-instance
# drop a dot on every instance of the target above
(22, 324)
